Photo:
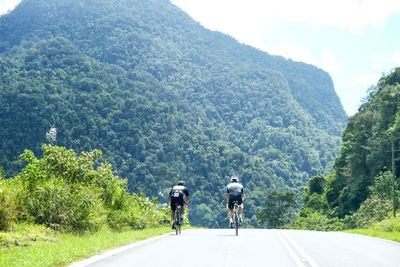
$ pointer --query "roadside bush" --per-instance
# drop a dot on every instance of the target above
(136, 212)
(62, 206)
(8, 207)
(46, 203)
(314, 220)
(87, 209)
(388, 225)
(156, 217)
(153, 213)
(374, 209)
(124, 212)
(67, 192)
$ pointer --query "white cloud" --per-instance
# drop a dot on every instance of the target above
(393, 59)
(330, 63)
(6, 5)
(376, 66)
(226, 15)
(366, 80)
(352, 15)
(353, 89)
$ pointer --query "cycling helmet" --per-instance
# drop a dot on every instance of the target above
(234, 179)
(181, 183)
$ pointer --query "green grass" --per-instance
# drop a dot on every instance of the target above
(387, 229)
(394, 236)
(32, 246)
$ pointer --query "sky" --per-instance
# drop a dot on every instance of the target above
(355, 41)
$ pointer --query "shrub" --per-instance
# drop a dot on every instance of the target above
(61, 206)
(388, 225)
(314, 220)
(373, 209)
(87, 209)
(66, 192)
(8, 206)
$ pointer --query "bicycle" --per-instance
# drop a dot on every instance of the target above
(178, 219)
(236, 216)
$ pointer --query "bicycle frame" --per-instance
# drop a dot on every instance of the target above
(178, 219)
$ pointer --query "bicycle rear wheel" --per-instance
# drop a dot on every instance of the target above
(178, 220)
(236, 223)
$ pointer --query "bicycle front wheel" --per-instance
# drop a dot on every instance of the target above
(236, 223)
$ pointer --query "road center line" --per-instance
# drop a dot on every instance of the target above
(292, 254)
(301, 251)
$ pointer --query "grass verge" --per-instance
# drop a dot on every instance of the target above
(387, 229)
(32, 246)
(394, 236)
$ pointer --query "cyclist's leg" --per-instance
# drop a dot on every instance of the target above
(183, 212)
(230, 206)
(230, 213)
(230, 216)
(241, 206)
(181, 203)
(173, 208)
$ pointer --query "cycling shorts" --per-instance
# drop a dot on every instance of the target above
(232, 198)
(176, 201)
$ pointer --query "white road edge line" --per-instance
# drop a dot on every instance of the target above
(292, 254)
(302, 252)
(114, 251)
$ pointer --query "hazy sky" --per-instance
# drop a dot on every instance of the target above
(354, 40)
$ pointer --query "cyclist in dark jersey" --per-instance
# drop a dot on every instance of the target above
(176, 198)
(234, 191)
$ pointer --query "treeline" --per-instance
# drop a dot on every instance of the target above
(74, 193)
(359, 192)
(165, 100)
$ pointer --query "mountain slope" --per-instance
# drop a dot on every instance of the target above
(366, 153)
(163, 98)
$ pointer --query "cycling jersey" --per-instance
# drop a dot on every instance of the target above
(176, 194)
(235, 191)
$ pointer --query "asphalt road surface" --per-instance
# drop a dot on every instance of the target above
(275, 248)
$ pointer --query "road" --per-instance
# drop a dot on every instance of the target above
(275, 248)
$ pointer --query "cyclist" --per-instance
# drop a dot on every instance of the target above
(176, 198)
(234, 191)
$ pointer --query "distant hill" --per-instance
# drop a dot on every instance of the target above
(164, 99)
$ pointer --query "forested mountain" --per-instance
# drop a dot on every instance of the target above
(359, 191)
(164, 99)
(366, 151)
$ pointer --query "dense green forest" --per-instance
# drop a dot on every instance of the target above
(359, 192)
(164, 99)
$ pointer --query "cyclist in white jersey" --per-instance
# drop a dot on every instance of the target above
(234, 191)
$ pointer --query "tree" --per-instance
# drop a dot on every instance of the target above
(316, 184)
(278, 209)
